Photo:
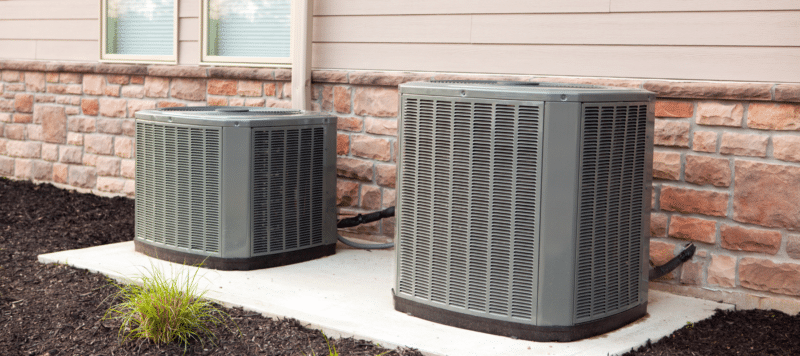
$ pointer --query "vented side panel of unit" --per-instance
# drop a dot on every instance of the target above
(469, 189)
(178, 187)
(287, 189)
(611, 209)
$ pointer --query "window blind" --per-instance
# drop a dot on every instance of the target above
(140, 27)
(249, 28)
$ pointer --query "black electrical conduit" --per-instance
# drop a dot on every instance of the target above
(654, 273)
(685, 255)
(363, 219)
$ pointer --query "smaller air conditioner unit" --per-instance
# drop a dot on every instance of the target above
(523, 208)
(235, 188)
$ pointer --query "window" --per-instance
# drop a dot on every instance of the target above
(247, 31)
(139, 30)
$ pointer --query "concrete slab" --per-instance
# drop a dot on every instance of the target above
(349, 294)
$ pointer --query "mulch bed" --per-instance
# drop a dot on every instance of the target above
(58, 310)
(743, 332)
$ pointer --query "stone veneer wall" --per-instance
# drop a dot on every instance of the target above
(726, 165)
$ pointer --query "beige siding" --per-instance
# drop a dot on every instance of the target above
(409, 29)
(702, 5)
(80, 30)
(70, 30)
(49, 9)
(442, 7)
(188, 23)
(49, 30)
(84, 51)
(17, 49)
(189, 8)
(718, 62)
(189, 32)
(759, 28)
(764, 28)
(188, 52)
(736, 40)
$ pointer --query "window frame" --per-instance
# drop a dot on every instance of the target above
(276, 62)
(136, 58)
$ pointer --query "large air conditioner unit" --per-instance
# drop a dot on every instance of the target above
(235, 188)
(523, 208)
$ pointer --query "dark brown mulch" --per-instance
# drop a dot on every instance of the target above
(57, 310)
(743, 332)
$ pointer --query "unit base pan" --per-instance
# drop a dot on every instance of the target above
(520, 330)
(239, 264)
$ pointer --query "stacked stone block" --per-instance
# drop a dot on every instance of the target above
(73, 124)
(366, 106)
(727, 177)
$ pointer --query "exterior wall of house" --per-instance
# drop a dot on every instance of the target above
(752, 41)
(727, 157)
(726, 166)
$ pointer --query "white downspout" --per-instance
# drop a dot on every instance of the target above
(302, 18)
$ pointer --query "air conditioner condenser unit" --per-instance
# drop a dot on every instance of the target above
(235, 188)
(523, 208)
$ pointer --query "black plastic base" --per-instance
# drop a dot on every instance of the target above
(520, 330)
(238, 264)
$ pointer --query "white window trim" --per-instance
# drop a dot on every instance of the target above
(276, 62)
(129, 58)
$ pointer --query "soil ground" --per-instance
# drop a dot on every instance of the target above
(58, 310)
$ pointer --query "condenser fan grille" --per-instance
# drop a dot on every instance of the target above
(287, 189)
(610, 227)
(468, 204)
(178, 185)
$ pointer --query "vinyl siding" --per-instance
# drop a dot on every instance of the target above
(730, 40)
(682, 40)
(69, 30)
(49, 29)
(703, 63)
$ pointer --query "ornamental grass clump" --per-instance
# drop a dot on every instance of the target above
(331, 348)
(164, 310)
